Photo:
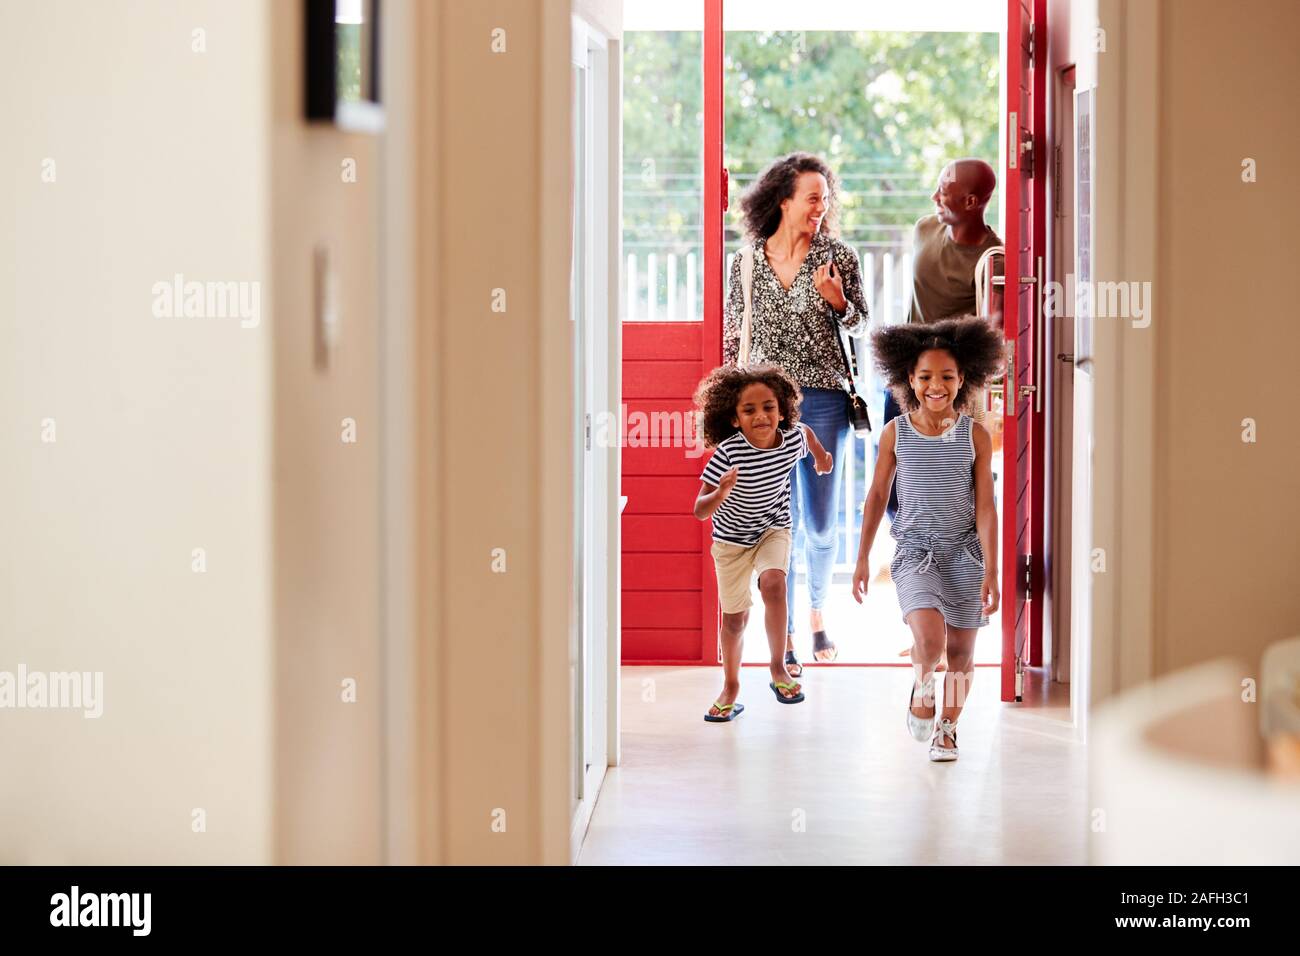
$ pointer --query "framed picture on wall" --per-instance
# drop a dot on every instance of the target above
(341, 57)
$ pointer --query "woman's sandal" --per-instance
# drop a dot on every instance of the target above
(777, 688)
(726, 712)
(823, 643)
(792, 661)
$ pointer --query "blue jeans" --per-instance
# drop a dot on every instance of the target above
(892, 411)
(814, 498)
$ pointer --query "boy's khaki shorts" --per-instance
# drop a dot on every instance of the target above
(736, 566)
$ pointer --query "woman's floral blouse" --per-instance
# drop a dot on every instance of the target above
(792, 328)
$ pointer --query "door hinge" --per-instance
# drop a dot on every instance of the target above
(726, 188)
(1029, 577)
(587, 430)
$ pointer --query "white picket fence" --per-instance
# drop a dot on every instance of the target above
(663, 286)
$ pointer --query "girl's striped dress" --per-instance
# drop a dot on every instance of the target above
(938, 562)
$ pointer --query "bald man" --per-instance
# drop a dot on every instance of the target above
(945, 248)
(946, 245)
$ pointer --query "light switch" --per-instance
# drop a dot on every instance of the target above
(327, 320)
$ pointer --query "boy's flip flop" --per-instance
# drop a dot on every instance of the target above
(777, 688)
(792, 661)
(823, 643)
(728, 712)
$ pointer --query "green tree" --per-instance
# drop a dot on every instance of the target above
(885, 109)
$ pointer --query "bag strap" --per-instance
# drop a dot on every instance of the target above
(747, 284)
(850, 359)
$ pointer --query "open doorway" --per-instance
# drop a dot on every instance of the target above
(888, 97)
(683, 174)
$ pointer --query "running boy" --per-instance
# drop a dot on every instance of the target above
(750, 417)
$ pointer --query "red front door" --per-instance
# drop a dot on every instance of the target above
(1023, 179)
(670, 601)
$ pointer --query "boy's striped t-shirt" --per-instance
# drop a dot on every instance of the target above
(760, 498)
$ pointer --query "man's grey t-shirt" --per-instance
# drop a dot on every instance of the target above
(943, 272)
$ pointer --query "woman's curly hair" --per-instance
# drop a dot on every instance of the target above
(719, 394)
(975, 345)
(761, 204)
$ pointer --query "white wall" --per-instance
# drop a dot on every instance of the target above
(162, 427)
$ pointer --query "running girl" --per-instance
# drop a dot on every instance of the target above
(947, 523)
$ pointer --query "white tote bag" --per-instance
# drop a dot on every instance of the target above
(747, 285)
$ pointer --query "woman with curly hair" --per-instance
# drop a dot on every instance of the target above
(750, 417)
(806, 288)
(945, 565)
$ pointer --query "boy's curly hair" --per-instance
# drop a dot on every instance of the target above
(975, 345)
(719, 394)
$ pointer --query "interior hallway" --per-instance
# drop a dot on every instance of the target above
(689, 792)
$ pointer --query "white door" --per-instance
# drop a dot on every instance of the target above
(1082, 555)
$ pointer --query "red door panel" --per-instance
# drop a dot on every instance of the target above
(1042, 344)
(660, 494)
(679, 610)
(646, 340)
(657, 572)
(662, 462)
(661, 646)
(663, 542)
(662, 532)
(657, 378)
(670, 603)
(1023, 181)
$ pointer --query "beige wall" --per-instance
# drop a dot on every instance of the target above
(162, 426)
(1199, 526)
(1227, 512)
(493, 190)
(222, 689)
(329, 753)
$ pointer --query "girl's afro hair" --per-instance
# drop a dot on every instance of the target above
(975, 345)
(719, 394)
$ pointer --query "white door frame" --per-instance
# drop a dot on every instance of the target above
(1119, 616)
(598, 54)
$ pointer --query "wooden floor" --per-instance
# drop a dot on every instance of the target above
(837, 779)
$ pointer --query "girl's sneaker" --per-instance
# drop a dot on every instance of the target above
(921, 727)
(938, 752)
